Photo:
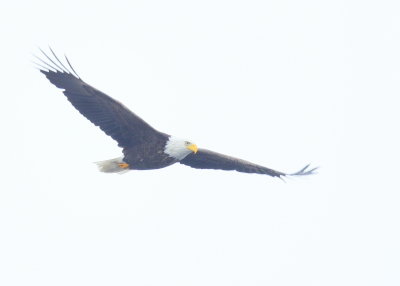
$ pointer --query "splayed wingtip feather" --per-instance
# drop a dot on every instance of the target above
(304, 171)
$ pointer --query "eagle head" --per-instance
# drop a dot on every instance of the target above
(179, 148)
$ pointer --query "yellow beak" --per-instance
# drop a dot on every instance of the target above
(193, 148)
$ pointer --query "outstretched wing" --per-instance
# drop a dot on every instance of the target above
(111, 116)
(206, 159)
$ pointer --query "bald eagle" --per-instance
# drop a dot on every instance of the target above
(144, 147)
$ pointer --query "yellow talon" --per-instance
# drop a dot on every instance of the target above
(123, 165)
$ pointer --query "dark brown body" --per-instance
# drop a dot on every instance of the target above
(147, 156)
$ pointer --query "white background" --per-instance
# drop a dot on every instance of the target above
(280, 83)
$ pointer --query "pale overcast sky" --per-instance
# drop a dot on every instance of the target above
(279, 83)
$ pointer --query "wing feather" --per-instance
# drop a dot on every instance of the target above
(112, 117)
(206, 159)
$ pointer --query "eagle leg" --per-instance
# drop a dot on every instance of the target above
(123, 165)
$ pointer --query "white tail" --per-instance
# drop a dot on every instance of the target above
(111, 166)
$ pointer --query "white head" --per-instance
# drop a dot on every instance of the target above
(179, 148)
